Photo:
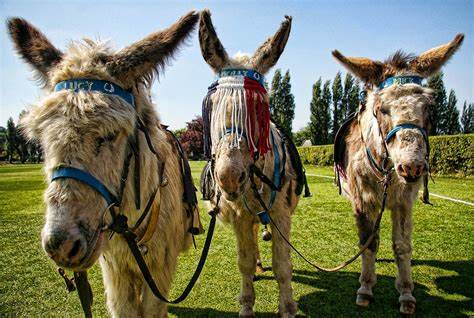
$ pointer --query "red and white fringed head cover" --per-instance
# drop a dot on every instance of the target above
(239, 106)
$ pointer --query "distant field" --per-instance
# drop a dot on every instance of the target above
(323, 228)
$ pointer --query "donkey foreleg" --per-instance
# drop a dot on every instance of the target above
(368, 278)
(259, 268)
(281, 263)
(402, 227)
(120, 289)
(247, 261)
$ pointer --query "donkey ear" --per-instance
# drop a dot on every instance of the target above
(432, 60)
(268, 53)
(212, 49)
(367, 70)
(144, 58)
(33, 46)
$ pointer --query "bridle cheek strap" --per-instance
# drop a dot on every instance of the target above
(86, 178)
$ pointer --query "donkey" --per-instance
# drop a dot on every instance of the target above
(242, 142)
(96, 101)
(387, 138)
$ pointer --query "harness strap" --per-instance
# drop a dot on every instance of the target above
(80, 175)
(391, 134)
(85, 292)
(120, 226)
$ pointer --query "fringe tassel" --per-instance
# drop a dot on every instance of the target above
(248, 116)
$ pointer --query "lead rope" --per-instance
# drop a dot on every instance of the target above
(386, 183)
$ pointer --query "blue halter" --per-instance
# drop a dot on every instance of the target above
(400, 80)
(391, 134)
(87, 178)
(254, 75)
(405, 79)
(93, 85)
(66, 172)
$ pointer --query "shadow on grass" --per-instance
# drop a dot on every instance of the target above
(337, 293)
(335, 296)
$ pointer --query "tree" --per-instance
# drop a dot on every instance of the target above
(326, 107)
(275, 97)
(21, 143)
(11, 139)
(179, 132)
(288, 105)
(353, 101)
(348, 86)
(452, 115)
(315, 127)
(467, 118)
(438, 109)
(302, 135)
(192, 140)
(282, 102)
(3, 142)
(337, 94)
(320, 119)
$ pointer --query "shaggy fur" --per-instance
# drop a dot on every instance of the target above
(231, 174)
(89, 130)
(384, 110)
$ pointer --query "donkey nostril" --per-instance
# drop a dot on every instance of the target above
(75, 249)
(242, 177)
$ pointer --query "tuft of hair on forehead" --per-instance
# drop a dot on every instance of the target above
(400, 59)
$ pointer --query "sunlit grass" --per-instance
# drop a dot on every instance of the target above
(323, 228)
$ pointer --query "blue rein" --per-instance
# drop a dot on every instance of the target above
(66, 172)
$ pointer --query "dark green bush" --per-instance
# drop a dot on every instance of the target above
(449, 155)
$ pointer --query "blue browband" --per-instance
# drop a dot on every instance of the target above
(90, 85)
(256, 76)
(93, 85)
(401, 80)
(84, 177)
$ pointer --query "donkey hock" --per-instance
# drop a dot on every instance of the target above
(90, 129)
(240, 140)
(388, 136)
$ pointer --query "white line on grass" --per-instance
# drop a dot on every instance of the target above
(431, 193)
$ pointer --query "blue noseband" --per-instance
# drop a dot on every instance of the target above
(87, 178)
(391, 134)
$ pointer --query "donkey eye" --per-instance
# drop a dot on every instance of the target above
(106, 139)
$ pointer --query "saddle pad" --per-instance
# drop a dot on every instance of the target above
(340, 144)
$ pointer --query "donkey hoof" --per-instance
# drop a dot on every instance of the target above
(259, 268)
(288, 310)
(407, 304)
(246, 312)
(407, 307)
(364, 300)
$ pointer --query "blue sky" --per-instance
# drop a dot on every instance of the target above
(357, 28)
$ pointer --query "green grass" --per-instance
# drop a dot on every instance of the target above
(323, 228)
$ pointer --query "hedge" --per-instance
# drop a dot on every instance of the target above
(449, 155)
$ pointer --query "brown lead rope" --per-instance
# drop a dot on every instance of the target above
(369, 241)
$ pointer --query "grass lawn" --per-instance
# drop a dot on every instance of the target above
(323, 228)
